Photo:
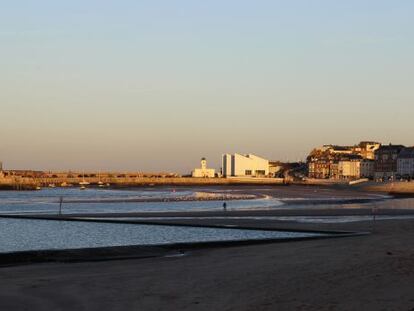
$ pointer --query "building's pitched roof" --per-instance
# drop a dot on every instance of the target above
(390, 148)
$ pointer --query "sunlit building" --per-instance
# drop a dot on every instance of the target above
(367, 149)
(250, 165)
(275, 168)
(355, 168)
(204, 172)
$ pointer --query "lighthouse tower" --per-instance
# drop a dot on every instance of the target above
(204, 172)
(203, 163)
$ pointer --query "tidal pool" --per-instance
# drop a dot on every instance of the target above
(27, 234)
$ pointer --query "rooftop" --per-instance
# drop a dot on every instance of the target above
(407, 153)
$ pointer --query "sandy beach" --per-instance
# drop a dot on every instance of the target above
(372, 272)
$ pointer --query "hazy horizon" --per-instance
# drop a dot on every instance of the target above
(156, 85)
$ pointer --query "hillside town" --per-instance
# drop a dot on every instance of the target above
(366, 160)
(370, 160)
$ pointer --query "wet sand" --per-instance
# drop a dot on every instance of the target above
(368, 272)
(372, 272)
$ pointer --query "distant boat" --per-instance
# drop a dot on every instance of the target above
(38, 188)
(100, 183)
(84, 182)
(82, 188)
(52, 186)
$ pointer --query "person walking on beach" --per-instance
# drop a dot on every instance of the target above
(60, 205)
(224, 206)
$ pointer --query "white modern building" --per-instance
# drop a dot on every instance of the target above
(250, 165)
(204, 172)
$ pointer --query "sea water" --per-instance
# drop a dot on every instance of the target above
(95, 200)
(28, 234)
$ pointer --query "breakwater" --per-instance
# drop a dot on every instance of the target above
(18, 183)
(122, 182)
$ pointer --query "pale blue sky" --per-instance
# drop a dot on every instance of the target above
(156, 85)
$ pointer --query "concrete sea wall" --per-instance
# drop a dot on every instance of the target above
(391, 187)
(32, 183)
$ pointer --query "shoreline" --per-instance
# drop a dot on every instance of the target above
(94, 254)
(369, 272)
(321, 273)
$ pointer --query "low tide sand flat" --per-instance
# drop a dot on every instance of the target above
(320, 274)
(305, 274)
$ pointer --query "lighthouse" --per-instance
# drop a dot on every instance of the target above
(204, 172)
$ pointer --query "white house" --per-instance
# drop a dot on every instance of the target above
(204, 171)
(356, 168)
(349, 169)
(249, 165)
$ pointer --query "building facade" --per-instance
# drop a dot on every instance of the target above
(349, 169)
(204, 172)
(386, 159)
(320, 169)
(367, 169)
(275, 168)
(366, 149)
(355, 169)
(340, 166)
(250, 165)
(405, 163)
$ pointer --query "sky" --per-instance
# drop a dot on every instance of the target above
(156, 85)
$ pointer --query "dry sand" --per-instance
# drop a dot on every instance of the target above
(372, 272)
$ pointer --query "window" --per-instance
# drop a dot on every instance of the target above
(248, 172)
(260, 172)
